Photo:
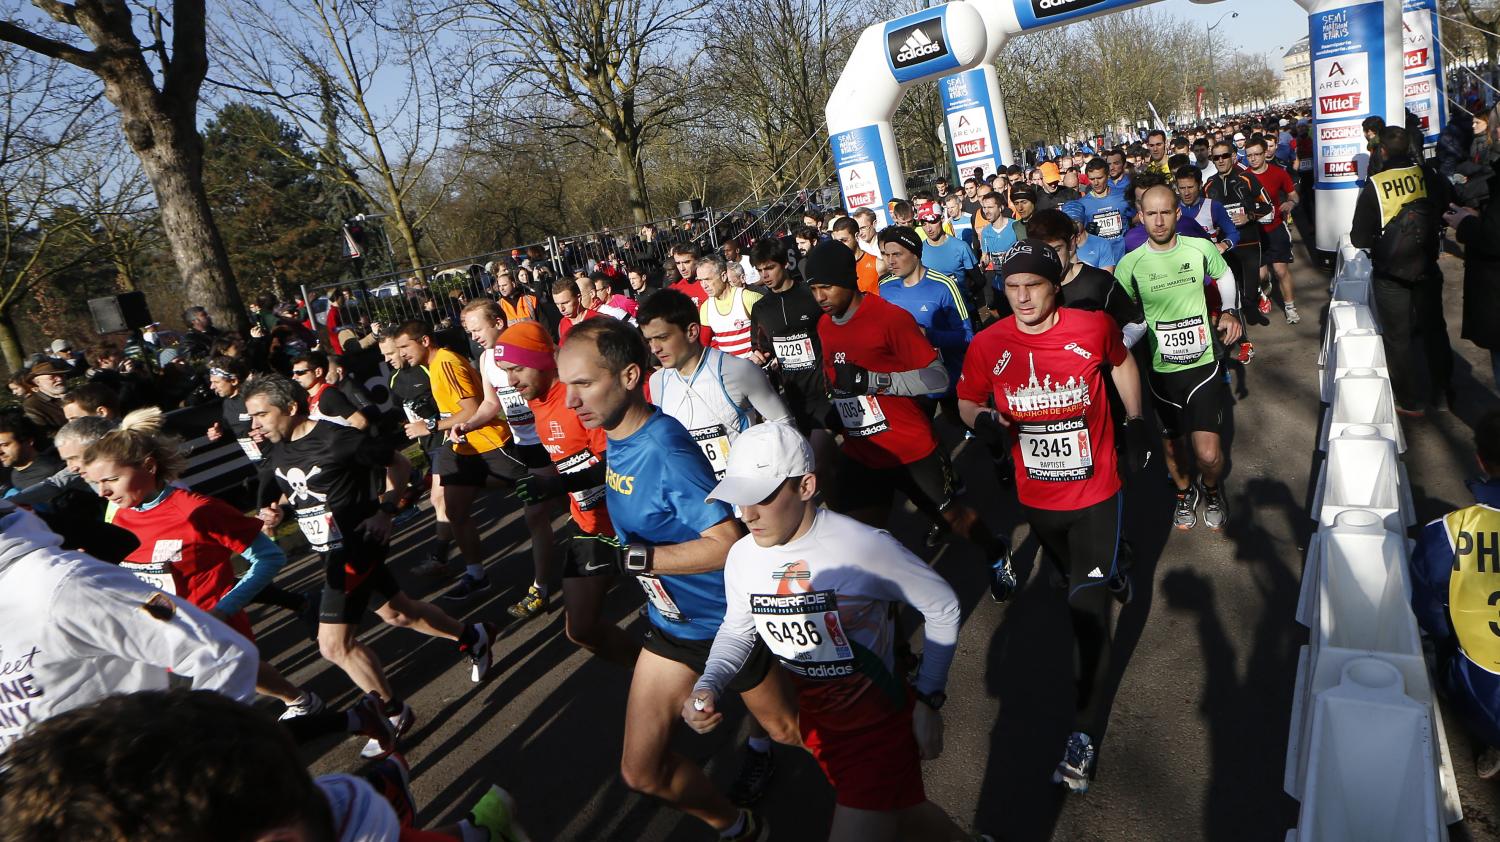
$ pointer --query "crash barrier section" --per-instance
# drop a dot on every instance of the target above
(1366, 753)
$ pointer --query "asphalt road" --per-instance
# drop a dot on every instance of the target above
(1197, 737)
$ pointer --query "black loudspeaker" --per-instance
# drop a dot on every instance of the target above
(115, 313)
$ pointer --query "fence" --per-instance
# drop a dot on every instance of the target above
(1367, 756)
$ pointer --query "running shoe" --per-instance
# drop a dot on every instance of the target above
(1488, 764)
(1215, 508)
(369, 713)
(1264, 305)
(401, 722)
(1185, 513)
(755, 775)
(434, 568)
(496, 813)
(936, 535)
(1002, 578)
(1077, 765)
(391, 777)
(468, 587)
(756, 829)
(310, 703)
(1245, 353)
(482, 651)
(1291, 314)
(530, 605)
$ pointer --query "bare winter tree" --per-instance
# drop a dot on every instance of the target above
(155, 88)
(617, 71)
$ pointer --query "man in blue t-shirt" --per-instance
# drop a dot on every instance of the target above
(674, 542)
(1104, 211)
(944, 253)
(932, 298)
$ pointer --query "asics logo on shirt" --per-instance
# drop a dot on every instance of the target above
(621, 483)
(1000, 366)
(1073, 346)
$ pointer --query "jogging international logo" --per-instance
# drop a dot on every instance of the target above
(1043, 9)
(917, 43)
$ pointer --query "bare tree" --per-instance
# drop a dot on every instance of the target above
(377, 66)
(158, 108)
(1484, 16)
(609, 73)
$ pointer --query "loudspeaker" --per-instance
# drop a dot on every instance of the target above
(115, 313)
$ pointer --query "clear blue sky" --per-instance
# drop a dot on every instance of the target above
(1267, 27)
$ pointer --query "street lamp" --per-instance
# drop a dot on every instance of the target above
(1213, 68)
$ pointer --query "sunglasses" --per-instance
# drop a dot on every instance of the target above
(1223, 157)
(298, 372)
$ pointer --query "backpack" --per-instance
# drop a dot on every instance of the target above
(1407, 248)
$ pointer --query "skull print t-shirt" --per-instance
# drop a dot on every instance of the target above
(332, 477)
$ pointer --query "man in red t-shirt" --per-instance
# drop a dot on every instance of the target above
(685, 259)
(1276, 239)
(1044, 367)
(572, 303)
(878, 363)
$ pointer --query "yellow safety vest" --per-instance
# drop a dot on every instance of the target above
(1396, 188)
(1474, 586)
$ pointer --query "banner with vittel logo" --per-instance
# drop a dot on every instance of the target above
(969, 118)
(859, 156)
(1348, 79)
(1423, 63)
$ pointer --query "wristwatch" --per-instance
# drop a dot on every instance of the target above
(638, 558)
(932, 700)
(1230, 311)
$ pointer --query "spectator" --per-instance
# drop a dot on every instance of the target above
(21, 450)
(20, 384)
(198, 342)
(1479, 234)
(92, 399)
(62, 351)
(44, 405)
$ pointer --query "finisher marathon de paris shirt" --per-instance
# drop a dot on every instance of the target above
(1050, 387)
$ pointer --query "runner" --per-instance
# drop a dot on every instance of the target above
(726, 312)
(465, 465)
(846, 231)
(411, 389)
(948, 254)
(1276, 238)
(831, 626)
(1067, 479)
(1105, 212)
(931, 297)
(1245, 202)
(328, 476)
(1221, 231)
(483, 321)
(878, 362)
(525, 354)
(996, 237)
(1187, 383)
(1083, 286)
(685, 259)
(675, 543)
(311, 373)
(714, 395)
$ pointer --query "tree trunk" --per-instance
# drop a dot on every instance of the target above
(635, 180)
(10, 345)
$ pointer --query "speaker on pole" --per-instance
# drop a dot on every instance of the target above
(115, 313)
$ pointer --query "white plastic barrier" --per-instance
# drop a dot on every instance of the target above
(1357, 348)
(1371, 775)
(1344, 316)
(1361, 397)
(1363, 471)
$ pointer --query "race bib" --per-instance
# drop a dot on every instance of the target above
(714, 442)
(517, 410)
(156, 574)
(1109, 224)
(1237, 214)
(660, 599)
(320, 529)
(805, 632)
(252, 450)
(795, 352)
(1056, 451)
(861, 415)
(588, 498)
(1182, 342)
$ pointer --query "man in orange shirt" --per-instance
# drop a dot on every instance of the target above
(866, 270)
(462, 462)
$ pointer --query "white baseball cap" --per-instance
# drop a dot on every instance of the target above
(60, 345)
(763, 457)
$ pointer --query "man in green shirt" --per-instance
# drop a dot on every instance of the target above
(1166, 275)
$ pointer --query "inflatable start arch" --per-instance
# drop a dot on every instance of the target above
(1359, 68)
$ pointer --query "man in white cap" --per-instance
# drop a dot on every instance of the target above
(818, 587)
(62, 351)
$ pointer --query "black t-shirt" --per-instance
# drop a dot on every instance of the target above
(331, 477)
(332, 403)
(43, 466)
(785, 325)
(1096, 289)
(411, 388)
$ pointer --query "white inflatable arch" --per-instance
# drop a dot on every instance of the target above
(1358, 70)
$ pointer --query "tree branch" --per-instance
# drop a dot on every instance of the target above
(22, 37)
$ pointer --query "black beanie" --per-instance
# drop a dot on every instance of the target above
(902, 236)
(830, 263)
(1032, 257)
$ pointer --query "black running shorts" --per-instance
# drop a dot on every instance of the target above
(694, 655)
(1190, 401)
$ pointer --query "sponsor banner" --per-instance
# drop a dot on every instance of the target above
(916, 46)
(1424, 65)
(1348, 80)
(859, 157)
(970, 120)
(1033, 14)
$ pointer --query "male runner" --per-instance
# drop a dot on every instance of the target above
(310, 371)
(934, 299)
(846, 231)
(483, 321)
(997, 234)
(1044, 368)
(1276, 238)
(831, 626)
(675, 544)
(878, 362)
(1083, 286)
(1245, 202)
(1187, 383)
(465, 465)
(947, 254)
(226, 375)
(1104, 210)
(685, 259)
(328, 476)
(714, 395)
(726, 312)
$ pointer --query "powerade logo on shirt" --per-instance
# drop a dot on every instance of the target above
(917, 45)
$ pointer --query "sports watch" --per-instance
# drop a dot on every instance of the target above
(638, 558)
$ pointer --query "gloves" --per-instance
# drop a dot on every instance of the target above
(850, 380)
(534, 488)
(1137, 444)
(607, 555)
(988, 429)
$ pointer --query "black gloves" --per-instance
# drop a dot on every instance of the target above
(988, 429)
(534, 488)
(1137, 444)
(850, 380)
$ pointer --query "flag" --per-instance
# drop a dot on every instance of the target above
(1156, 118)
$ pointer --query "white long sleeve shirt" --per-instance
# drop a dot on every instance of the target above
(74, 629)
(822, 604)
